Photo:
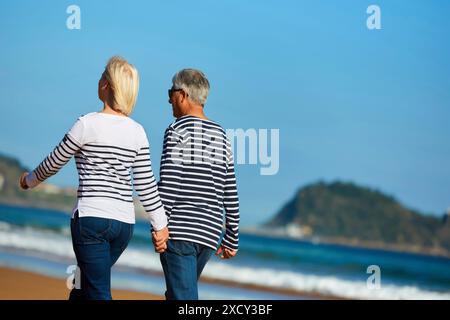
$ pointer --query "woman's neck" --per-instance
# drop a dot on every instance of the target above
(107, 109)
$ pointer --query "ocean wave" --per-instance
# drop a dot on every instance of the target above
(56, 244)
(325, 285)
(4, 226)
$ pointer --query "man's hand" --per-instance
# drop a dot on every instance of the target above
(160, 239)
(225, 253)
(23, 182)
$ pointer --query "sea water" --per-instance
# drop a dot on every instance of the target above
(265, 268)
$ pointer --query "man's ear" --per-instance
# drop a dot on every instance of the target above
(185, 95)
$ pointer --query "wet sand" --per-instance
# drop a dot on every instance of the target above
(23, 285)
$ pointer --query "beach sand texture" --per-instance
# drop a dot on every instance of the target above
(22, 285)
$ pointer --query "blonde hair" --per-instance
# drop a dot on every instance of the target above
(123, 79)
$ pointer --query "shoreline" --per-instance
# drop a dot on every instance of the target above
(18, 284)
(417, 250)
(413, 250)
(256, 287)
(24, 285)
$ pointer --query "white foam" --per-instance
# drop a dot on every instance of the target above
(30, 239)
(4, 226)
(57, 244)
(327, 285)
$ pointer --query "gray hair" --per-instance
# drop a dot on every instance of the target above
(194, 83)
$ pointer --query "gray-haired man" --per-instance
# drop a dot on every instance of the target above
(197, 183)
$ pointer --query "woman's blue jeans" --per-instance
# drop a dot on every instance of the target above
(183, 262)
(97, 243)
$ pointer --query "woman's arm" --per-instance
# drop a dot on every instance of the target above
(145, 185)
(63, 152)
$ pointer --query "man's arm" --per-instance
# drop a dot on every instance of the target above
(231, 205)
(170, 156)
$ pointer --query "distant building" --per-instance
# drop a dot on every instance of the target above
(297, 231)
(49, 188)
(294, 230)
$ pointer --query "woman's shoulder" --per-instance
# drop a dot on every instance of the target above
(136, 124)
(87, 117)
(94, 117)
(102, 120)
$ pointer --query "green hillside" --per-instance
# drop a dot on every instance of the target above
(347, 213)
(44, 196)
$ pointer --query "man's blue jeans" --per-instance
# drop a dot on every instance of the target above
(183, 262)
(97, 243)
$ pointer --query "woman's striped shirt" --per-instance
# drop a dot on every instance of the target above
(112, 155)
(197, 183)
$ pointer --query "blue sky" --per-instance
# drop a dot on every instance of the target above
(372, 107)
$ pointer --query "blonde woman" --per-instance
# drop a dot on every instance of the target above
(109, 148)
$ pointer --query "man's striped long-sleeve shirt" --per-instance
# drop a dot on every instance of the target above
(198, 183)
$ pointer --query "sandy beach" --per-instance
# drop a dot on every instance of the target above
(22, 285)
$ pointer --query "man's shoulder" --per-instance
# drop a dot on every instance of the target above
(194, 122)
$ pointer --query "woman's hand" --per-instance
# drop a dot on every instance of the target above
(160, 239)
(23, 181)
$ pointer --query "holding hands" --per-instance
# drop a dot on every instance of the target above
(160, 239)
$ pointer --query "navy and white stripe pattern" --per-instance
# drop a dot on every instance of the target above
(145, 182)
(54, 161)
(105, 171)
(197, 183)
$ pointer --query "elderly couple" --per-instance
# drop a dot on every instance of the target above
(185, 209)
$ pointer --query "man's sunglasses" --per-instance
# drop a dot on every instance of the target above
(172, 90)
